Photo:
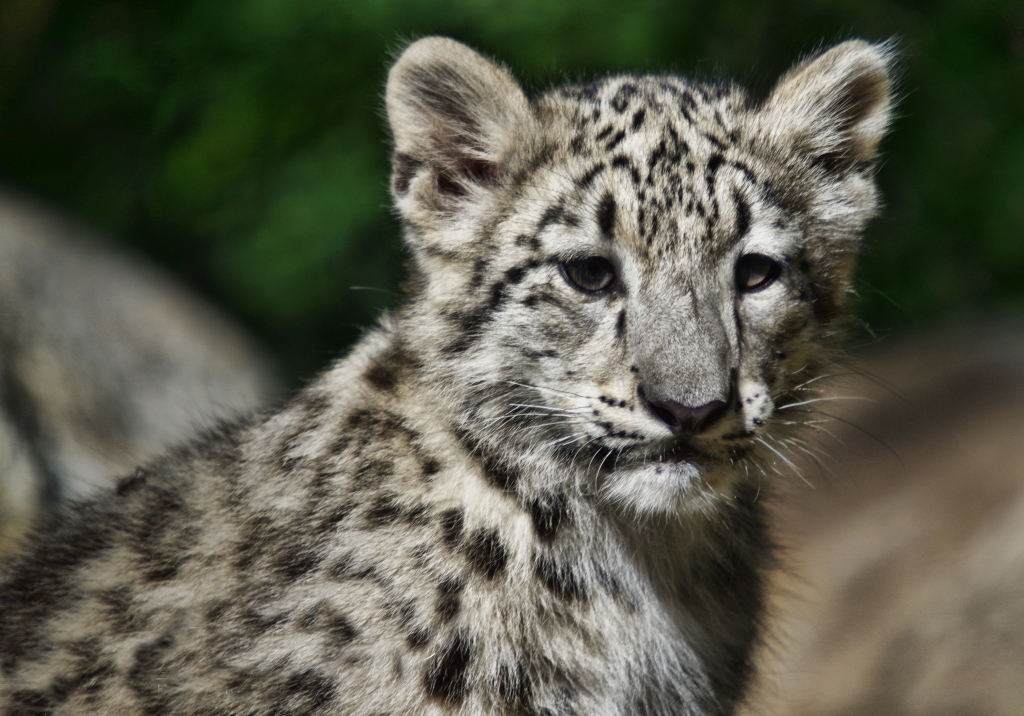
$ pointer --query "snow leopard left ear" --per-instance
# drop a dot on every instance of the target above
(836, 107)
(454, 115)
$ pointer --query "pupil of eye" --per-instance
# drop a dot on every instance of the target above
(590, 274)
(755, 271)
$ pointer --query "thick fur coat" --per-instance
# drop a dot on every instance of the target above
(534, 488)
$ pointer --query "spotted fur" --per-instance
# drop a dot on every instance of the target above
(483, 509)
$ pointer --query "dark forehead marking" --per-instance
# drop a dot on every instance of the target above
(742, 214)
(588, 178)
(606, 216)
(583, 93)
(552, 215)
(521, 240)
(678, 142)
(714, 162)
(686, 100)
(638, 118)
(616, 140)
(623, 97)
(718, 143)
(621, 161)
(746, 171)
(577, 144)
(691, 102)
(667, 181)
(656, 155)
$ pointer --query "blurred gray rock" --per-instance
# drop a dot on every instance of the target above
(105, 361)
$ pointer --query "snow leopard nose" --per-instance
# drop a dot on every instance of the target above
(682, 419)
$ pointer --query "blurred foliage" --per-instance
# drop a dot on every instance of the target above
(241, 142)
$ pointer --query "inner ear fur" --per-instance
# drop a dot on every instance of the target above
(836, 106)
(452, 111)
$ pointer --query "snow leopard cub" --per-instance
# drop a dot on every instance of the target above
(534, 488)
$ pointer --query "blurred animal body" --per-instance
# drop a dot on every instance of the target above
(533, 489)
(104, 363)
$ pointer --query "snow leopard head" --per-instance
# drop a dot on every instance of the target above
(641, 276)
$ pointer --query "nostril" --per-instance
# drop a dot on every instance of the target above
(682, 419)
(667, 417)
(710, 414)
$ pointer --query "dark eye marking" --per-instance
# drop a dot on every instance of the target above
(755, 272)
(742, 215)
(590, 274)
(606, 215)
(620, 325)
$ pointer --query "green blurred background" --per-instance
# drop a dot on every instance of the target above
(240, 143)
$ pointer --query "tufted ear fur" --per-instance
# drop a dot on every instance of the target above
(454, 115)
(835, 107)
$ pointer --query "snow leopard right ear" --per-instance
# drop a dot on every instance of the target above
(835, 107)
(454, 115)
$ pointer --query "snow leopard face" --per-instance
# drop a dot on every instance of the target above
(643, 276)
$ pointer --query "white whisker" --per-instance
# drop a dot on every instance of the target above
(546, 407)
(551, 390)
(827, 400)
(786, 460)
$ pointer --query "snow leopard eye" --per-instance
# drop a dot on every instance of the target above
(755, 272)
(592, 273)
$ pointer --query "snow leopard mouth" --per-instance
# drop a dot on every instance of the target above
(656, 478)
(666, 453)
(687, 450)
